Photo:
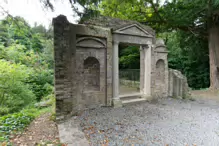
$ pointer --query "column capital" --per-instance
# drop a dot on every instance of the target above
(115, 42)
(145, 46)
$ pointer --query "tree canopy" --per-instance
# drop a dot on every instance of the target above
(196, 23)
(26, 62)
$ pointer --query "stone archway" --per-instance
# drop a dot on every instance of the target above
(137, 35)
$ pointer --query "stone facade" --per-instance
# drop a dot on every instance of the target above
(161, 70)
(86, 64)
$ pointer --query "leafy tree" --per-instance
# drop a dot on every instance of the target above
(41, 77)
(39, 29)
(198, 18)
(19, 31)
(189, 55)
(14, 93)
(40, 82)
(31, 49)
(129, 57)
(4, 37)
(48, 53)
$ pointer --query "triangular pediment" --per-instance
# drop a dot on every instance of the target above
(133, 29)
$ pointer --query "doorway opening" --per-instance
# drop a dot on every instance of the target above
(129, 69)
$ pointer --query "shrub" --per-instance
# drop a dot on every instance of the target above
(40, 83)
(14, 93)
(13, 123)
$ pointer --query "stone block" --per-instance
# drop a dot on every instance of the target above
(178, 86)
(117, 103)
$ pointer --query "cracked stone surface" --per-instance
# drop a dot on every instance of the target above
(164, 122)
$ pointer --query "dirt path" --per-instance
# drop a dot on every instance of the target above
(41, 131)
(205, 94)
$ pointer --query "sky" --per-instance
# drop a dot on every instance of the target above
(33, 12)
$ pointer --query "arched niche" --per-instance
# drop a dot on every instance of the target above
(160, 71)
(92, 74)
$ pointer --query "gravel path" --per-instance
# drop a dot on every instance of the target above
(167, 122)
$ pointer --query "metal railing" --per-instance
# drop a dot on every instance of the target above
(130, 74)
(129, 77)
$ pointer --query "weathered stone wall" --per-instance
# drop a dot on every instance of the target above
(178, 86)
(94, 42)
(83, 67)
(160, 88)
(64, 55)
(92, 74)
(153, 70)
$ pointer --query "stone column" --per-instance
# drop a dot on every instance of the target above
(142, 69)
(116, 101)
(147, 73)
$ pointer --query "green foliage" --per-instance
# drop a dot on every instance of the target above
(164, 16)
(13, 123)
(26, 64)
(129, 58)
(40, 29)
(41, 77)
(41, 83)
(126, 9)
(14, 93)
(48, 53)
(4, 36)
(26, 76)
(189, 55)
(18, 31)
(15, 53)
(182, 23)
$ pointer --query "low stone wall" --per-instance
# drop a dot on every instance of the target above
(129, 83)
(178, 85)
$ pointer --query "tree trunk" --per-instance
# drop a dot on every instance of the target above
(213, 44)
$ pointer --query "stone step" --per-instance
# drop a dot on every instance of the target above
(130, 96)
(133, 101)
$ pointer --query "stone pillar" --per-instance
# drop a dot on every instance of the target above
(161, 70)
(147, 73)
(64, 53)
(116, 101)
(142, 69)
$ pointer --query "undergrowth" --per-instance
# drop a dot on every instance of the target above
(15, 123)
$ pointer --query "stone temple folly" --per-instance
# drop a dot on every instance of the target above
(87, 65)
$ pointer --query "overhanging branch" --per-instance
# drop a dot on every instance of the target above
(156, 11)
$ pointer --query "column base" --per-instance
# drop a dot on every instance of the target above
(117, 103)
